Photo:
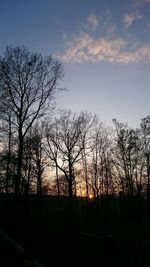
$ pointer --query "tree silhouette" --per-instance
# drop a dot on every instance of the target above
(28, 83)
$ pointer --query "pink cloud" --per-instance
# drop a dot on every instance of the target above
(129, 18)
(92, 21)
(85, 49)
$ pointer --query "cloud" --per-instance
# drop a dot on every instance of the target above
(140, 3)
(92, 21)
(129, 18)
(102, 24)
(87, 49)
(104, 43)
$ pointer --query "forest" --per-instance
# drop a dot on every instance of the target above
(64, 169)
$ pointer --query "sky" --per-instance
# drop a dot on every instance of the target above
(104, 46)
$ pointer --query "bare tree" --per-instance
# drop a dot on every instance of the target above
(145, 138)
(8, 152)
(27, 86)
(66, 143)
(87, 149)
(100, 166)
(128, 156)
(39, 156)
(34, 160)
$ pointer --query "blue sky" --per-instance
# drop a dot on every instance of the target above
(104, 46)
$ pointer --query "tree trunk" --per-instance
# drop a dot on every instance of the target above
(8, 158)
(39, 179)
(70, 188)
(19, 168)
(57, 179)
(85, 173)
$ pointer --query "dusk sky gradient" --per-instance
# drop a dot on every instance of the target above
(104, 46)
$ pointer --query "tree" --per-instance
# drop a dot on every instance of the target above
(86, 151)
(39, 157)
(34, 161)
(28, 83)
(128, 156)
(100, 168)
(8, 152)
(145, 133)
(66, 142)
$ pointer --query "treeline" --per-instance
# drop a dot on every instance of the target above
(62, 153)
